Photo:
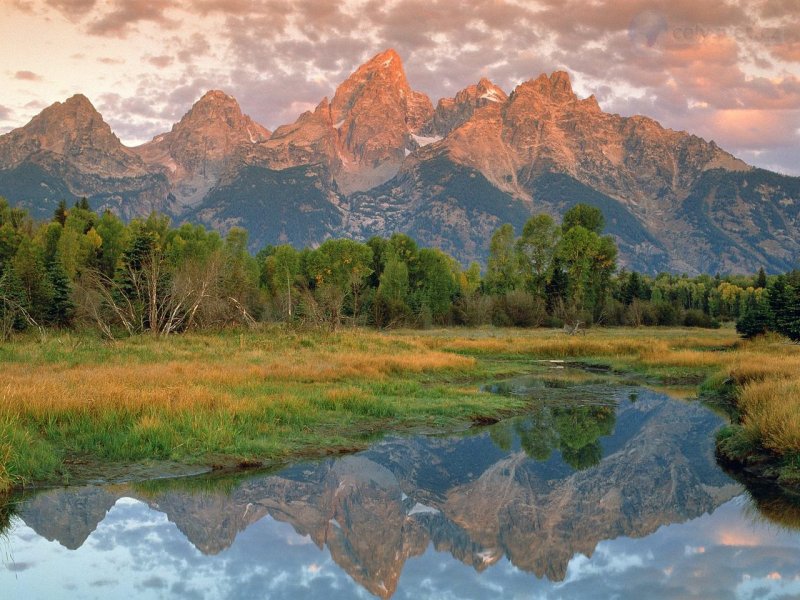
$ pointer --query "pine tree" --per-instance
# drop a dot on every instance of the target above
(784, 301)
(61, 307)
(13, 301)
(29, 266)
(131, 284)
(756, 319)
(60, 214)
(761, 279)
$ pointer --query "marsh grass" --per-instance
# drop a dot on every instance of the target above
(229, 396)
(275, 393)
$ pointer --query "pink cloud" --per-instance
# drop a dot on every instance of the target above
(125, 14)
(160, 61)
(27, 76)
(72, 8)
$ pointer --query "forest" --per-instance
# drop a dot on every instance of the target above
(87, 270)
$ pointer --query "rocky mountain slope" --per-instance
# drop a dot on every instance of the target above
(379, 158)
(197, 150)
(68, 150)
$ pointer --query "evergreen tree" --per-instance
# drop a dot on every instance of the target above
(633, 286)
(61, 308)
(130, 288)
(29, 266)
(13, 301)
(784, 301)
(60, 213)
(761, 279)
(756, 319)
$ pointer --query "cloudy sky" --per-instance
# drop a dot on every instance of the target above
(728, 71)
(137, 553)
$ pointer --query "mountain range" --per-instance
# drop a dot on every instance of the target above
(380, 158)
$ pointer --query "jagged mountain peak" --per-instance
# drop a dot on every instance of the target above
(68, 118)
(382, 76)
(559, 80)
(72, 131)
(199, 147)
(389, 59)
(216, 96)
(487, 85)
(216, 113)
(78, 101)
(502, 156)
(556, 87)
(481, 93)
(452, 112)
(363, 133)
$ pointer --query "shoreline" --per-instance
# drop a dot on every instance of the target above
(257, 399)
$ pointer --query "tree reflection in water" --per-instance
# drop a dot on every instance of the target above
(574, 431)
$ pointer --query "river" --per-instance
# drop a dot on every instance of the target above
(601, 492)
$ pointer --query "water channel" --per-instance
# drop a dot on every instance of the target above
(600, 492)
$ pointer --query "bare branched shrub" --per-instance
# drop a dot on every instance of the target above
(160, 298)
(322, 307)
(475, 309)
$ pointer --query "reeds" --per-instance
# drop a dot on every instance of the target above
(249, 395)
(275, 392)
(771, 414)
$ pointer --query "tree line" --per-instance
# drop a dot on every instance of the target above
(83, 269)
(776, 309)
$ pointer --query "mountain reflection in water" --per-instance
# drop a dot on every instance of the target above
(570, 501)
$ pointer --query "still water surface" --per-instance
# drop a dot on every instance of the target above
(619, 496)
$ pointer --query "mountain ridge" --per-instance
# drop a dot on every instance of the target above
(379, 157)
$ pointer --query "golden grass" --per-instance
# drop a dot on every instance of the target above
(758, 366)
(260, 392)
(254, 395)
(771, 413)
(180, 386)
(641, 343)
(683, 358)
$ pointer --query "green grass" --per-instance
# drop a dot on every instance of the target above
(222, 398)
(275, 394)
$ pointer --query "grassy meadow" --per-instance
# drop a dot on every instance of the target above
(275, 394)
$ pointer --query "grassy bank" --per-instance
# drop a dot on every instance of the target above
(275, 394)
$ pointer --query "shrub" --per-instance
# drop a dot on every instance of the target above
(640, 312)
(665, 314)
(697, 318)
(518, 308)
(473, 310)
